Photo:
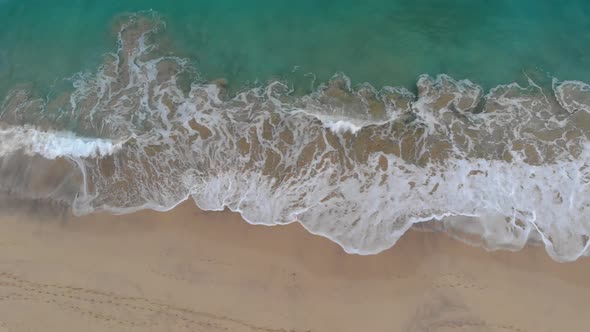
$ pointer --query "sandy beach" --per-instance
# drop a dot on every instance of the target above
(363, 138)
(190, 270)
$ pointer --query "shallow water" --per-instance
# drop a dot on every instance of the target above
(133, 118)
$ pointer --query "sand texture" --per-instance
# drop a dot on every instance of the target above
(189, 270)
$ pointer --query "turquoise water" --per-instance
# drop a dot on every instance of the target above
(383, 42)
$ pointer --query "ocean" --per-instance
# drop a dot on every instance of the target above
(358, 120)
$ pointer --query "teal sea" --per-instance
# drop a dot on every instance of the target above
(383, 42)
(357, 119)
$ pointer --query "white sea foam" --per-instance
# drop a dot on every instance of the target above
(573, 95)
(513, 160)
(52, 145)
(342, 126)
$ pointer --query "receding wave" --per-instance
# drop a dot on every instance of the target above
(355, 164)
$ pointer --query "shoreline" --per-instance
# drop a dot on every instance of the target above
(188, 269)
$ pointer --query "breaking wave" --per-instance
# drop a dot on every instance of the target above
(357, 165)
(52, 145)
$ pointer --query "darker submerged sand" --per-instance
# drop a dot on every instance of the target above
(190, 270)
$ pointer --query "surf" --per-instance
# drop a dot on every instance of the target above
(357, 165)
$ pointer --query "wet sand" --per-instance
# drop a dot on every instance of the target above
(189, 270)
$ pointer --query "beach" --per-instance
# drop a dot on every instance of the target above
(191, 270)
(309, 166)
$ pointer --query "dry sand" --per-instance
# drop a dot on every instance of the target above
(189, 270)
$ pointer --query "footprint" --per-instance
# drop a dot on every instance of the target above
(106, 307)
(456, 281)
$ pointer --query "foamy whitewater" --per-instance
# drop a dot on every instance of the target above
(52, 145)
(359, 166)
